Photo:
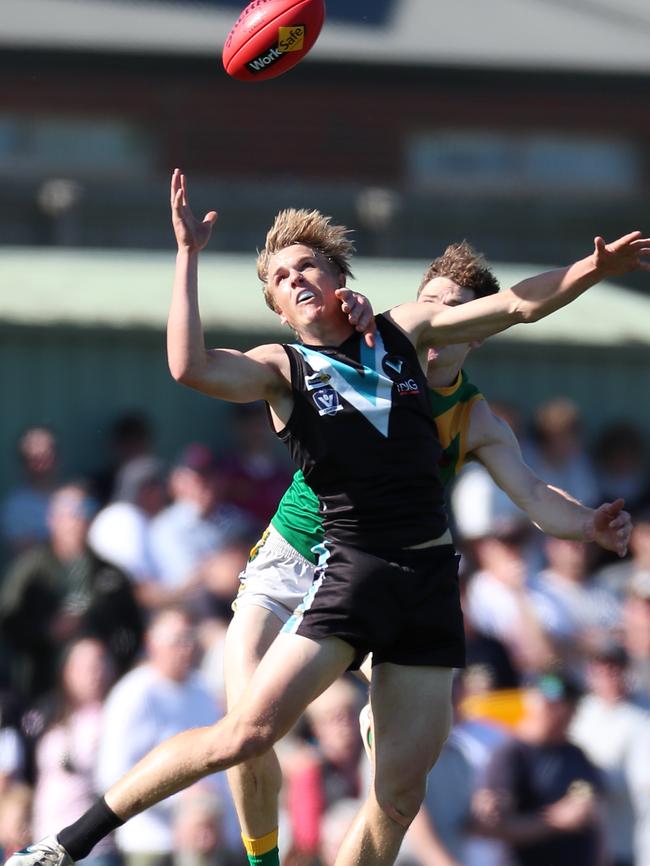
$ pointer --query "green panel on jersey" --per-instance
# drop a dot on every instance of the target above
(297, 518)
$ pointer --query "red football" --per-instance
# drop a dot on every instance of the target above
(271, 36)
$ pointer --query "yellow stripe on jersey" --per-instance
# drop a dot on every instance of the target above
(452, 409)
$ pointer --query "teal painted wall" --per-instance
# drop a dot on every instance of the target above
(77, 380)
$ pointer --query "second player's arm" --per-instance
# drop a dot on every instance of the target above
(554, 511)
(527, 301)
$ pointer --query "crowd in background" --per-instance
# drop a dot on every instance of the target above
(116, 594)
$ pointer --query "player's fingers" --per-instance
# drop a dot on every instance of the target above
(210, 217)
(174, 185)
(632, 236)
(369, 338)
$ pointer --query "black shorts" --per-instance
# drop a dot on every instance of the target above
(402, 606)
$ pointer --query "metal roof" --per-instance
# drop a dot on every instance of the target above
(580, 35)
(125, 289)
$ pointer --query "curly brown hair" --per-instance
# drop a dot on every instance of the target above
(465, 266)
(308, 227)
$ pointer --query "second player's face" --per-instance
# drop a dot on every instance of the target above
(442, 290)
(303, 282)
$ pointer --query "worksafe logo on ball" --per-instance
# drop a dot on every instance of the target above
(289, 39)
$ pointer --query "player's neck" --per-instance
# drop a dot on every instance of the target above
(320, 333)
(442, 375)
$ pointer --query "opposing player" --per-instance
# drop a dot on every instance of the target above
(282, 565)
(358, 422)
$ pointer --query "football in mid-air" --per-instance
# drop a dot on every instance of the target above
(271, 36)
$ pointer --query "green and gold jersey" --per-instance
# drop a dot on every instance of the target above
(297, 517)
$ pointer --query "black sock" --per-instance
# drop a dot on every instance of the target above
(81, 837)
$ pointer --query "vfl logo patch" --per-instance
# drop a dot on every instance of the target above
(289, 39)
(326, 400)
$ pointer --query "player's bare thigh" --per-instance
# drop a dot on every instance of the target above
(411, 708)
(250, 633)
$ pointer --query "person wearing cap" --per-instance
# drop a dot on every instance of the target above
(608, 726)
(541, 794)
(60, 590)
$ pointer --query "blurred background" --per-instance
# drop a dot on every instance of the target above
(520, 125)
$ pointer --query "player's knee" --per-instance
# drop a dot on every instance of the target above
(400, 798)
(246, 740)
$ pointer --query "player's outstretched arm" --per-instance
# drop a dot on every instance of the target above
(554, 511)
(528, 301)
(225, 373)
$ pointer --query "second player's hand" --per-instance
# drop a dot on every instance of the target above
(611, 527)
(360, 313)
(191, 234)
(622, 256)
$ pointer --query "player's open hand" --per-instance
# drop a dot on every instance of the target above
(191, 234)
(360, 313)
(629, 253)
(611, 527)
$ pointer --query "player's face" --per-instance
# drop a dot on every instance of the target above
(302, 282)
(442, 290)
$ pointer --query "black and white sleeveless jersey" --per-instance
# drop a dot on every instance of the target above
(363, 433)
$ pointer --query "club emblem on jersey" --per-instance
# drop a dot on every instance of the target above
(326, 400)
(393, 363)
(396, 368)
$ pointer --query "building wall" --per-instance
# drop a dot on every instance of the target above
(319, 139)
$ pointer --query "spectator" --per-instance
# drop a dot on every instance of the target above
(67, 751)
(120, 532)
(558, 454)
(498, 599)
(61, 590)
(198, 830)
(161, 697)
(575, 612)
(607, 726)
(131, 436)
(621, 457)
(196, 525)
(255, 474)
(636, 632)
(332, 770)
(23, 512)
(541, 794)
